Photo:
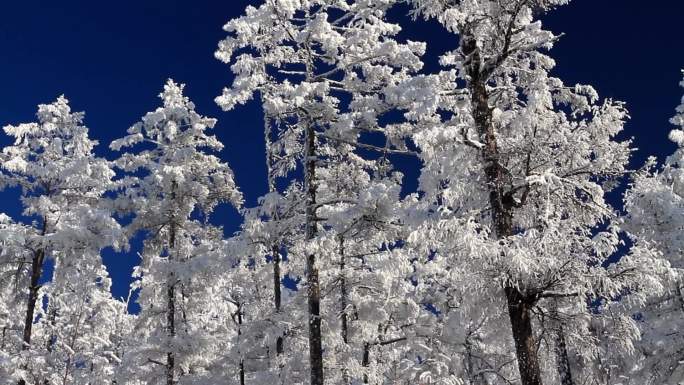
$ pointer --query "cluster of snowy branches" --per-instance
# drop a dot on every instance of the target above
(507, 266)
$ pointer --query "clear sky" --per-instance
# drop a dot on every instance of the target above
(111, 58)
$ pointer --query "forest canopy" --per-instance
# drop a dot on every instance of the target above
(508, 264)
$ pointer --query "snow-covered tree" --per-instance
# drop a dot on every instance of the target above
(654, 201)
(83, 327)
(13, 274)
(62, 183)
(655, 210)
(516, 166)
(269, 321)
(173, 182)
(508, 266)
(326, 72)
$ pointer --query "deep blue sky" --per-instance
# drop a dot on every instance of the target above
(111, 58)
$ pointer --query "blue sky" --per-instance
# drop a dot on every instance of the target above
(111, 58)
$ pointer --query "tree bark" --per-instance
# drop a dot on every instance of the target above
(344, 302)
(562, 359)
(344, 295)
(51, 341)
(241, 372)
(277, 293)
(277, 303)
(34, 288)
(501, 203)
(525, 343)
(365, 361)
(313, 284)
(171, 310)
(275, 249)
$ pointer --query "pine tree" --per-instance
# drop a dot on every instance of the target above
(654, 208)
(62, 183)
(517, 167)
(171, 180)
(327, 72)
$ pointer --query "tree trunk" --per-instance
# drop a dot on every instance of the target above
(502, 211)
(365, 362)
(171, 310)
(241, 372)
(275, 249)
(525, 344)
(51, 341)
(277, 293)
(277, 302)
(562, 359)
(344, 295)
(313, 285)
(34, 288)
(344, 302)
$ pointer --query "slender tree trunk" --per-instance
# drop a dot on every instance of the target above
(365, 361)
(51, 341)
(313, 285)
(562, 359)
(344, 295)
(171, 310)
(275, 248)
(277, 302)
(519, 305)
(344, 302)
(34, 288)
(277, 292)
(241, 372)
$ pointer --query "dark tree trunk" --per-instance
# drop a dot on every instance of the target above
(365, 362)
(241, 372)
(344, 302)
(51, 341)
(344, 295)
(313, 285)
(171, 310)
(277, 259)
(519, 311)
(275, 248)
(562, 359)
(34, 288)
(519, 304)
(277, 293)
